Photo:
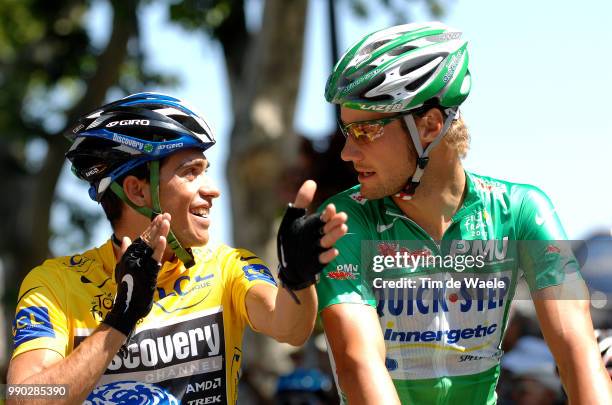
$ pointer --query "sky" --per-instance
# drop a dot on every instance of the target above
(537, 111)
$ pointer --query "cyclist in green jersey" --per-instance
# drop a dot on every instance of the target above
(400, 90)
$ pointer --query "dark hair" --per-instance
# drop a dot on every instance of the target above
(111, 203)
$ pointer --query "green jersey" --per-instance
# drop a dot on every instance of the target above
(443, 330)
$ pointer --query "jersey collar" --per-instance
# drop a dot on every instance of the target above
(471, 202)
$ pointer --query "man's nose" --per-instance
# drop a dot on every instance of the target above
(209, 189)
(351, 151)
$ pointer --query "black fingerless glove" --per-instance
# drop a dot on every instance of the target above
(136, 277)
(298, 247)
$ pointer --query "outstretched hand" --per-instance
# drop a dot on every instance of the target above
(305, 242)
(335, 222)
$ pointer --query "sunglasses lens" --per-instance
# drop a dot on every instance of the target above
(365, 132)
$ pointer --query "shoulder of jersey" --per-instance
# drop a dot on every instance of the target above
(498, 188)
(350, 197)
(220, 251)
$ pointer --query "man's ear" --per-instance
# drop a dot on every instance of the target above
(430, 124)
(137, 190)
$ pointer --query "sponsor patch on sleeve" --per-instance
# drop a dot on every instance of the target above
(31, 323)
(357, 197)
(258, 272)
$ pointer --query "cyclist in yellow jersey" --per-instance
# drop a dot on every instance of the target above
(399, 91)
(160, 319)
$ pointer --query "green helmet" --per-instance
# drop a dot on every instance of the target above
(401, 68)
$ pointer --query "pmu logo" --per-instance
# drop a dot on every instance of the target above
(489, 250)
(344, 272)
(425, 300)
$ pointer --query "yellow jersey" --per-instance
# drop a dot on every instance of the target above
(187, 349)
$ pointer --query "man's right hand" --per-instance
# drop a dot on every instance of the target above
(136, 275)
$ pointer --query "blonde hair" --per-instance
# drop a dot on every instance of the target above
(458, 137)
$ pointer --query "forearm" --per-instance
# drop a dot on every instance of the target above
(293, 322)
(566, 324)
(367, 382)
(80, 370)
(584, 377)
(275, 313)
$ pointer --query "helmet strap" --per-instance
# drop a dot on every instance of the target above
(415, 180)
(185, 255)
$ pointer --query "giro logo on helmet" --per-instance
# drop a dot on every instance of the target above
(128, 122)
(170, 146)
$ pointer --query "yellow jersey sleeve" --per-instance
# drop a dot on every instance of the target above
(243, 270)
(40, 319)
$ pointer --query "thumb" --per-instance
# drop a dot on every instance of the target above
(305, 194)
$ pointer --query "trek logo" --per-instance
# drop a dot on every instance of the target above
(128, 122)
(344, 272)
(448, 336)
(489, 250)
(425, 300)
(32, 323)
(177, 347)
(216, 399)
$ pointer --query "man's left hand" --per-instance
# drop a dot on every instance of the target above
(305, 242)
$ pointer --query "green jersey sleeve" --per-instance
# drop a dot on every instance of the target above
(545, 254)
(341, 280)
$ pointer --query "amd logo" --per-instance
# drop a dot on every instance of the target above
(128, 122)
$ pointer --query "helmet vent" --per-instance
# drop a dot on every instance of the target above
(416, 63)
(372, 47)
(400, 50)
(412, 86)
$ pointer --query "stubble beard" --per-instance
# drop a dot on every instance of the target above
(384, 188)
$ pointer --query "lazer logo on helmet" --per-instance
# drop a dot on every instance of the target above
(128, 141)
(449, 336)
(382, 108)
(128, 122)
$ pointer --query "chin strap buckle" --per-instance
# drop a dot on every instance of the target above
(422, 162)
